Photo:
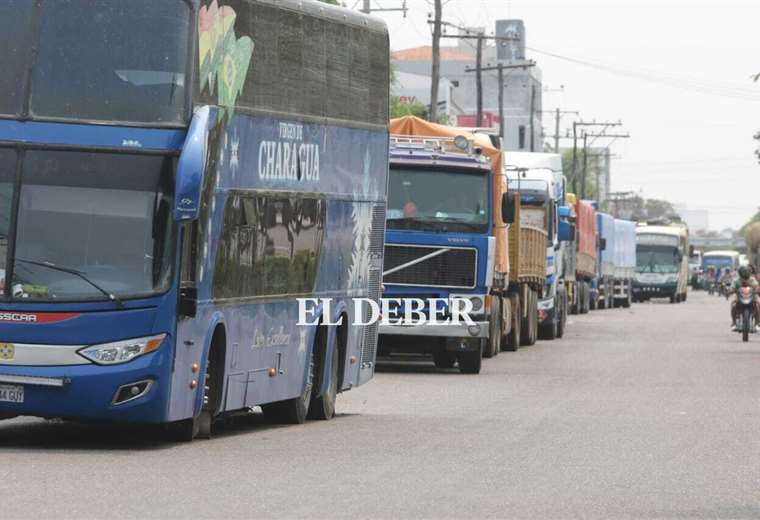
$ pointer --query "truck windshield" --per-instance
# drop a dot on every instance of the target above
(91, 224)
(109, 61)
(656, 259)
(438, 200)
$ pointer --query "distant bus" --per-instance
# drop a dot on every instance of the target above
(662, 262)
(721, 260)
(174, 174)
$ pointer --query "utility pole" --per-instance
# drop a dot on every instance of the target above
(479, 69)
(500, 68)
(501, 105)
(585, 165)
(479, 81)
(436, 73)
(532, 117)
(576, 124)
(558, 113)
(614, 137)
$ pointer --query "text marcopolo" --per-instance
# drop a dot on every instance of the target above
(389, 311)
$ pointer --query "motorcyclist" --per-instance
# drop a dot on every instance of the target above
(744, 279)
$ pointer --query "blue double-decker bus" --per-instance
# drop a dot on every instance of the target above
(174, 176)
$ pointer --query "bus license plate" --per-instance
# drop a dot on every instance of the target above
(11, 394)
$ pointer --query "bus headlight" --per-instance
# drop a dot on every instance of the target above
(121, 351)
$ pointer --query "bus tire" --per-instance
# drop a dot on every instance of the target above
(293, 411)
(182, 431)
(322, 408)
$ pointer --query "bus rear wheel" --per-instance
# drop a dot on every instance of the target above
(323, 407)
(293, 411)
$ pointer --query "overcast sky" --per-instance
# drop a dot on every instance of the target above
(676, 72)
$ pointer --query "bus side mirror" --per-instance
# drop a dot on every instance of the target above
(190, 169)
(508, 207)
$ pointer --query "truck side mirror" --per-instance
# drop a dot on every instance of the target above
(508, 207)
(603, 244)
(190, 168)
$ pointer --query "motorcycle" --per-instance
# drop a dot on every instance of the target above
(745, 307)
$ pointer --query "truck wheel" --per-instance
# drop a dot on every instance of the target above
(529, 324)
(512, 340)
(494, 329)
(534, 314)
(562, 321)
(586, 298)
(548, 332)
(628, 300)
(576, 305)
(471, 362)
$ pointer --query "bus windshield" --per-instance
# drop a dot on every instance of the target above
(717, 261)
(105, 61)
(656, 259)
(450, 200)
(90, 224)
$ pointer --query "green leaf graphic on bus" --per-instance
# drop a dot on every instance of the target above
(224, 59)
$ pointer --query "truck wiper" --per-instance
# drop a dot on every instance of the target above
(112, 297)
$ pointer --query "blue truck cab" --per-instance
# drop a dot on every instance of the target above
(439, 244)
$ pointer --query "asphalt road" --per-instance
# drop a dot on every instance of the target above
(652, 412)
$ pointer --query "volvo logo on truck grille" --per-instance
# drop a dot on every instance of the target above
(7, 351)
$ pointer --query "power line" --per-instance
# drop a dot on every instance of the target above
(690, 84)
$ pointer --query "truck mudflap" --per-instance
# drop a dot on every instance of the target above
(477, 329)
